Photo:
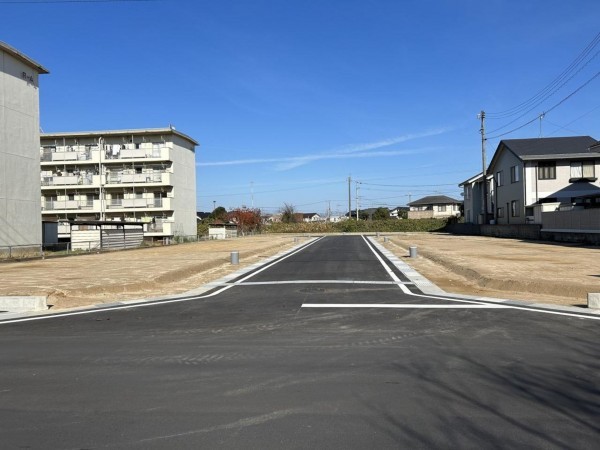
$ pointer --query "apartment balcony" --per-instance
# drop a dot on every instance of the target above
(128, 204)
(156, 178)
(143, 153)
(63, 206)
(75, 181)
(67, 156)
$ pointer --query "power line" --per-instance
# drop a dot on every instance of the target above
(551, 109)
(549, 89)
(72, 1)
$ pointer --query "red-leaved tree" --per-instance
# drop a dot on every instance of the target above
(247, 219)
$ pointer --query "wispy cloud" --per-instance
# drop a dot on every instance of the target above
(361, 150)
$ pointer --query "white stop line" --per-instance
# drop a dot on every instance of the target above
(396, 305)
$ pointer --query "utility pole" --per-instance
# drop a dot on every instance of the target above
(329, 212)
(483, 170)
(357, 206)
(214, 205)
(252, 192)
(349, 198)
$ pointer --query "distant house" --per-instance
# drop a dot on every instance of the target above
(473, 197)
(528, 173)
(434, 206)
(311, 217)
(399, 212)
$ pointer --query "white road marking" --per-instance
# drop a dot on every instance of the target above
(268, 283)
(399, 305)
(524, 308)
(157, 302)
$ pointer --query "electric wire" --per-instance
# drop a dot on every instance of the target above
(551, 86)
(548, 111)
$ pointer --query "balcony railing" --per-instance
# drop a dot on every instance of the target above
(66, 180)
(125, 178)
(135, 203)
(67, 204)
(66, 156)
(132, 153)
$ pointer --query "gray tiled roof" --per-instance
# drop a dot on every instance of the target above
(528, 148)
(435, 200)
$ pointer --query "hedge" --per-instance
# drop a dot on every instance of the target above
(361, 226)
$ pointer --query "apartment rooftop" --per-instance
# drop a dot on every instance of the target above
(22, 57)
(127, 132)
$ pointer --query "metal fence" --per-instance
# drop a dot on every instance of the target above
(23, 252)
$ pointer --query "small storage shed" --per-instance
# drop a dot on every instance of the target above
(222, 230)
(106, 235)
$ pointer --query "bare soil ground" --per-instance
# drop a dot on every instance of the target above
(505, 268)
(123, 275)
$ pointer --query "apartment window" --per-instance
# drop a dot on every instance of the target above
(499, 178)
(514, 208)
(514, 174)
(468, 192)
(582, 169)
(547, 170)
(500, 212)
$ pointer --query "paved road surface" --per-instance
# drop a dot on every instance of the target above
(251, 367)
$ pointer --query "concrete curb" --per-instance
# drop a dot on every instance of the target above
(23, 303)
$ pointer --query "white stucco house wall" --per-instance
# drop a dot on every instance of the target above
(20, 219)
(531, 172)
(434, 206)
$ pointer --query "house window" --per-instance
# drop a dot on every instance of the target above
(582, 169)
(468, 192)
(442, 208)
(514, 208)
(499, 178)
(547, 170)
(500, 212)
(514, 174)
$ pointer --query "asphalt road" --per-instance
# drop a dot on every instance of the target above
(251, 367)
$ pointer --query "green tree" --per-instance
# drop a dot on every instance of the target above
(219, 214)
(381, 214)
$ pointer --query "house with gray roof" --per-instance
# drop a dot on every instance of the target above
(530, 172)
(434, 206)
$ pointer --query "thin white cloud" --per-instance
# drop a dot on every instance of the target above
(363, 150)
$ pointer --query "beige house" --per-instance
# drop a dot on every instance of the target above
(145, 176)
(529, 173)
(434, 206)
(20, 222)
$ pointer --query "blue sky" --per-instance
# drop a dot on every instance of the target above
(290, 98)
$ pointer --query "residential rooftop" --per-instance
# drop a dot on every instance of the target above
(555, 147)
(435, 200)
(126, 132)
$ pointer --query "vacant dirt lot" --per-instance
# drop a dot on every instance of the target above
(123, 275)
(506, 268)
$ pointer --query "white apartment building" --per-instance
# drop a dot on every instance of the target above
(143, 175)
(20, 222)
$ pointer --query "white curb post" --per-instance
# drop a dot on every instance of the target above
(594, 300)
(412, 251)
